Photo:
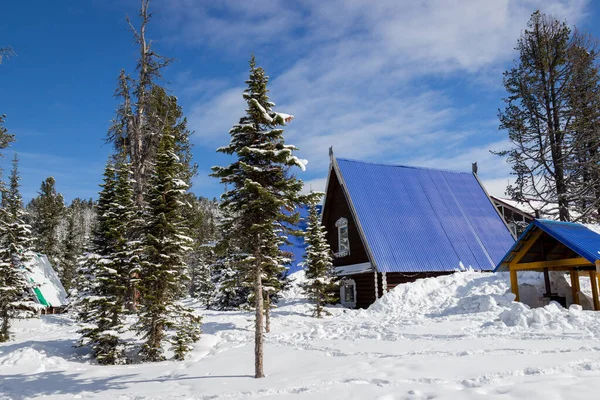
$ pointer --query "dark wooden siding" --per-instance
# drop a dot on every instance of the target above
(337, 207)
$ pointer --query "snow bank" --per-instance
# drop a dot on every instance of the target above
(459, 293)
(294, 291)
(474, 292)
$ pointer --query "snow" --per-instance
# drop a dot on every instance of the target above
(43, 274)
(454, 337)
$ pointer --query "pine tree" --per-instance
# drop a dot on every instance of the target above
(259, 188)
(202, 286)
(47, 210)
(135, 131)
(107, 269)
(15, 250)
(318, 265)
(164, 275)
(70, 252)
(583, 95)
(551, 116)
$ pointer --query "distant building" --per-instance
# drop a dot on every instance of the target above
(391, 224)
(517, 215)
(47, 288)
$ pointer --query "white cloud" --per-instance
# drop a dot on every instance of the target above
(370, 78)
(212, 119)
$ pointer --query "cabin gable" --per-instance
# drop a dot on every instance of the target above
(336, 209)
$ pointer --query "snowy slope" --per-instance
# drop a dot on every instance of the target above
(455, 337)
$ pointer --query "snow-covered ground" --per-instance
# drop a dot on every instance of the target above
(453, 337)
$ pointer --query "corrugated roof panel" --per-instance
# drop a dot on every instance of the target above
(577, 237)
(467, 249)
(482, 216)
(419, 220)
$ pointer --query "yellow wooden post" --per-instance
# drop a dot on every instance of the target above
(514, 283)
(575, 286)
(594, 282)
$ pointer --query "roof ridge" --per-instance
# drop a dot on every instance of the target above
(401, 166)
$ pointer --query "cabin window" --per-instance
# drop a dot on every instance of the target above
(343, 239)
(348, 293)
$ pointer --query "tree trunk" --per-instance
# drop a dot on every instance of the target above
(258, 331)
(4, 335)
(318, 302)
(267, 313)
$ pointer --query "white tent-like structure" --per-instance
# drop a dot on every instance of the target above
(47, 287)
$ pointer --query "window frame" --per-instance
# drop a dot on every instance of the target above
(340, 225)
(347, 282)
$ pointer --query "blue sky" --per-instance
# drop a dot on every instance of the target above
(416, 83)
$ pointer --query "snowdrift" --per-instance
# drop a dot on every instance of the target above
(475, 292)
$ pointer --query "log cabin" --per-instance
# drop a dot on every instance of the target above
(393, 224)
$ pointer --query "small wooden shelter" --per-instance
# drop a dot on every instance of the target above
(556, 246)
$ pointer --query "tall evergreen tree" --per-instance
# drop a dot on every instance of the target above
(318, 263)
(47, 210)
(259, 188)
(135, 130)
(583, 96)
(15, 250)
(70, 252)
(164, 276)
(551, 111)
(108, 268)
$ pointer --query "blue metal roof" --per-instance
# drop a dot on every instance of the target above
(297, 247)
(423, 220)
(577, 237)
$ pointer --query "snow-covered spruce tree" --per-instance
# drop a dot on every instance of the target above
(318, 266)
(164, 277)
(202, 286)
(70, 252)
(232, 288)
(47, 210)
(108, 268)
(259, 187)
(15, 247)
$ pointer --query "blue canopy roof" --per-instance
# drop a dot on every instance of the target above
(424, 220)
(577, 237)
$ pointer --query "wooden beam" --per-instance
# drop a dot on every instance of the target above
(514, 283)
(575, 286)
(569, 262)
(526, 246)
(594, 282)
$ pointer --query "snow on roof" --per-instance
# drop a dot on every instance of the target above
(546, 210)
(48, 288)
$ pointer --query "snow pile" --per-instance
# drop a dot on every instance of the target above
(472, 292)
(550, 317)
(458, 293)
(295, 291)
